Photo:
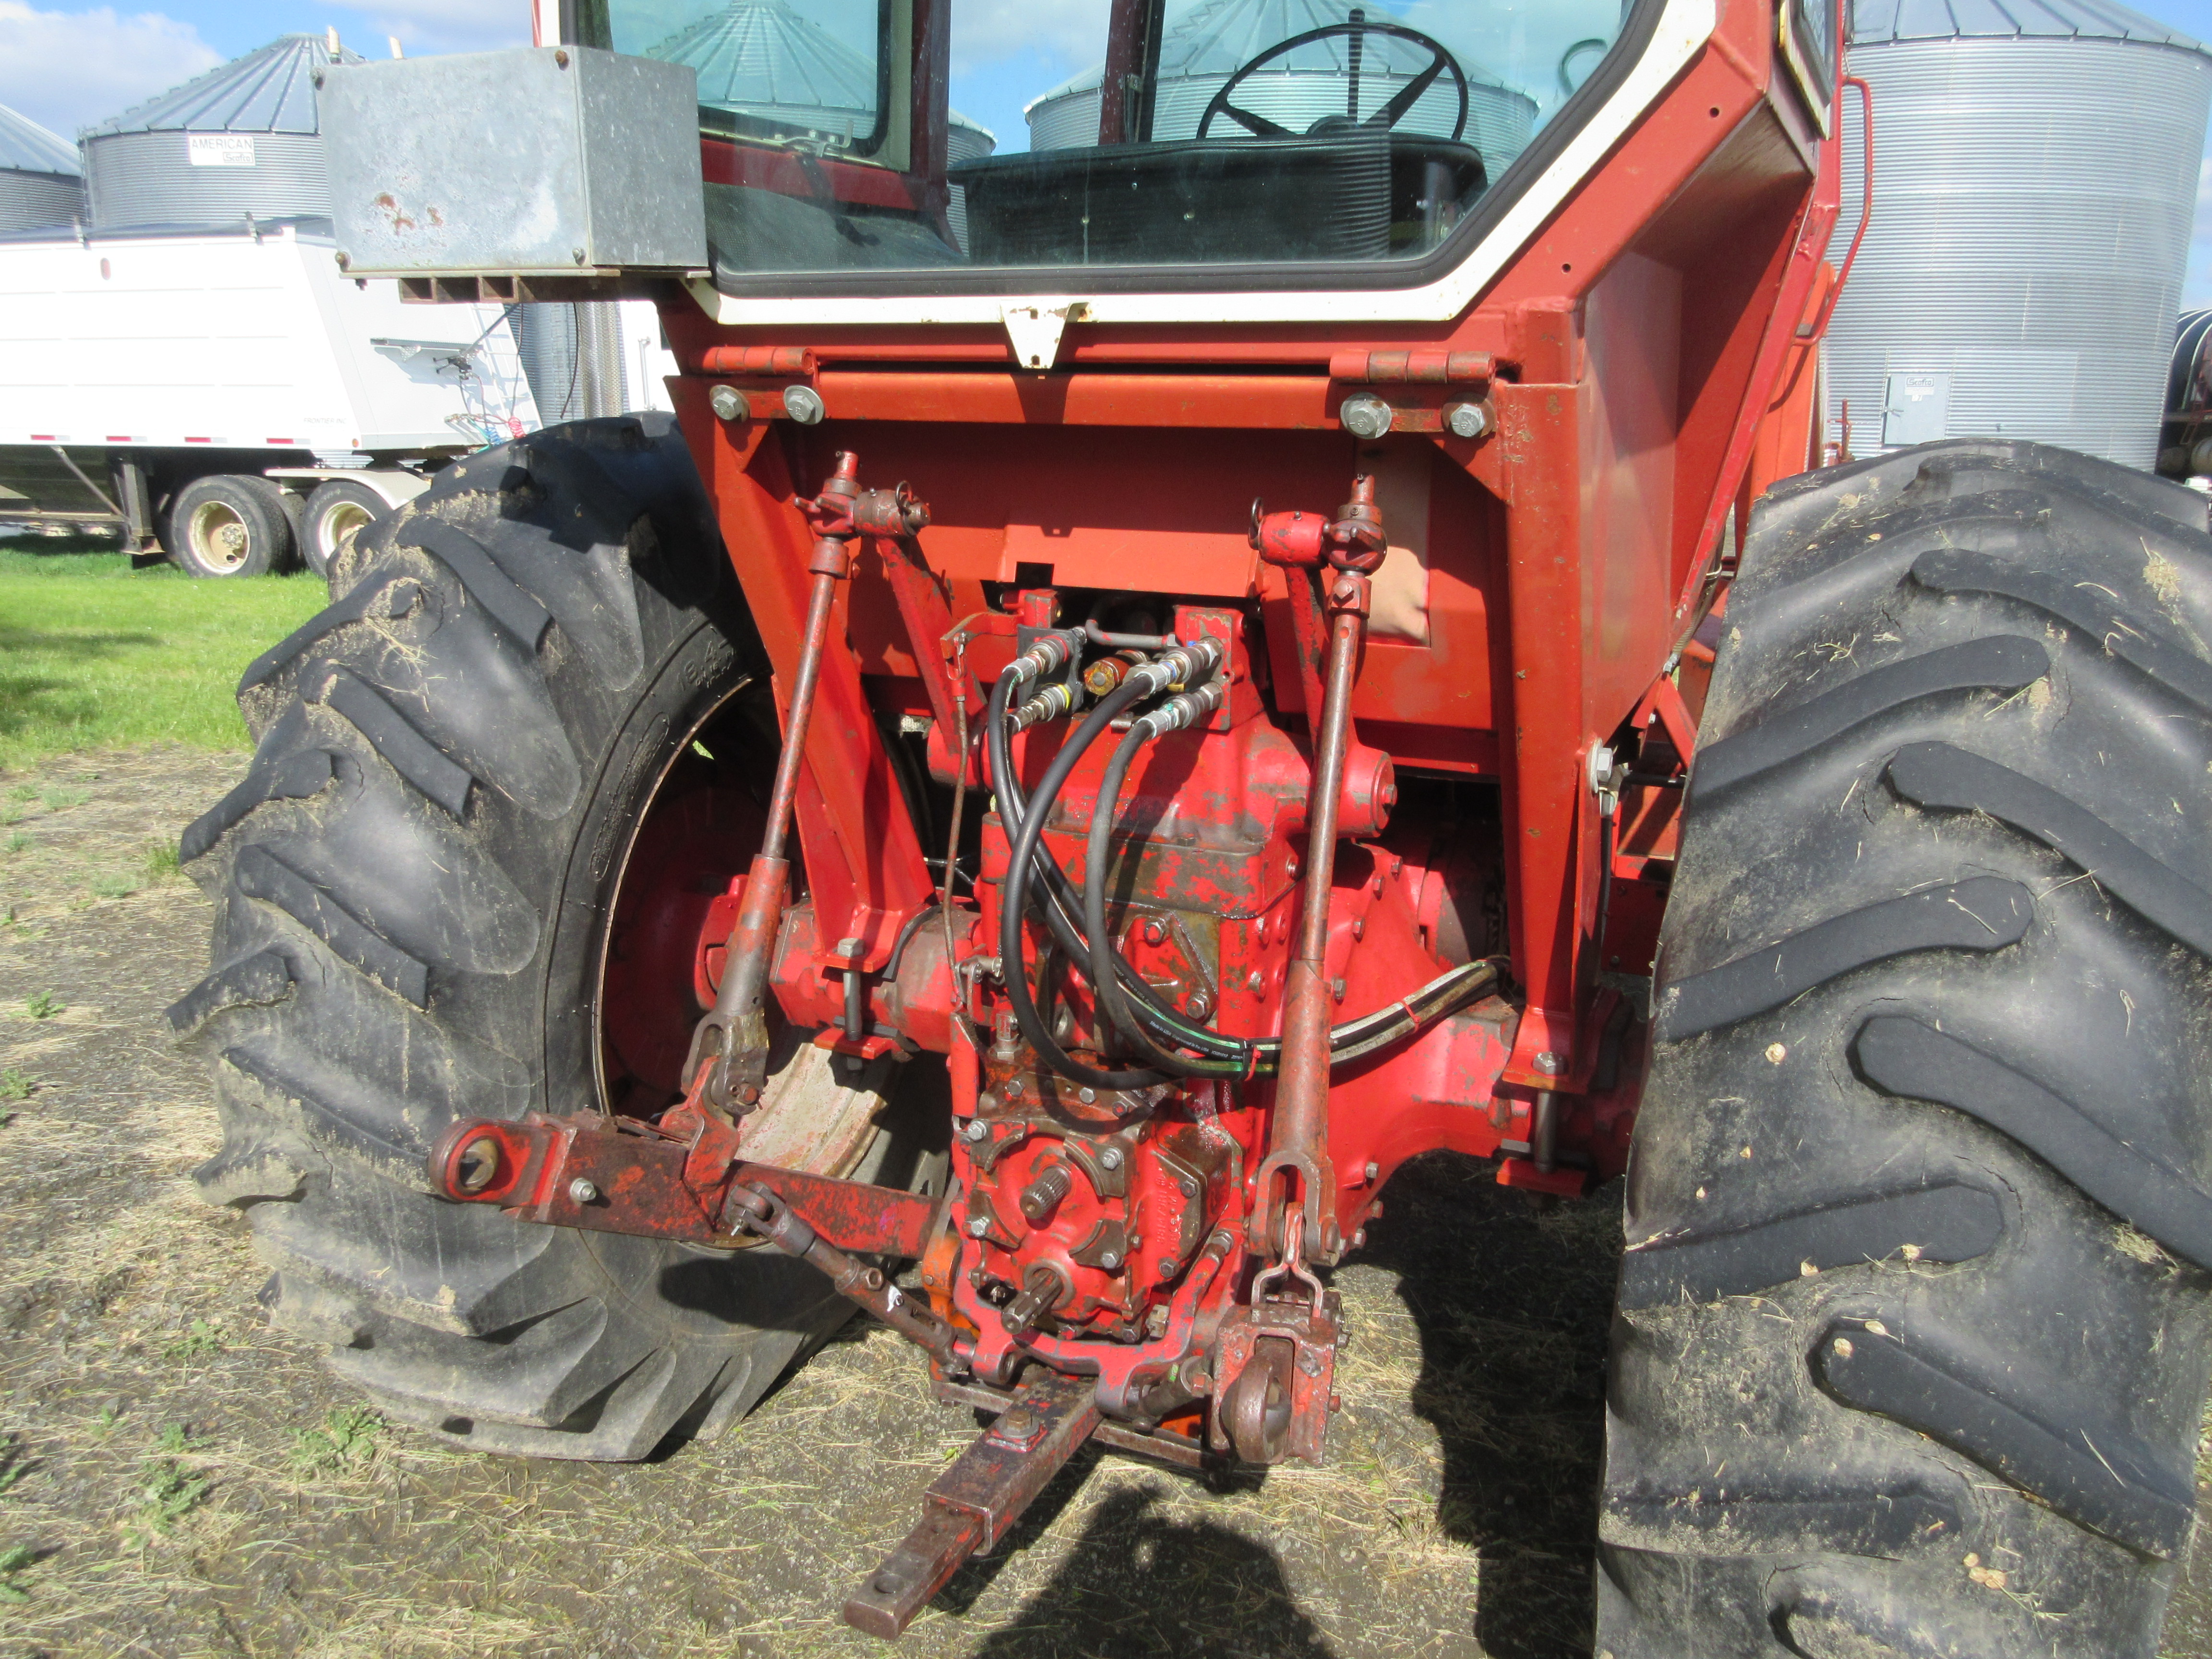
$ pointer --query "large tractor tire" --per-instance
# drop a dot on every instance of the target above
(1912, 1339)
(498, 784)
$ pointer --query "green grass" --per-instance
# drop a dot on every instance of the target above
(347, 1437)
(199, 1340)
(95, 655)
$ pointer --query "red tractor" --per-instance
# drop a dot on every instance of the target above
(1151, 680)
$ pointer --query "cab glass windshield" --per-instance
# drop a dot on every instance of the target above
(1295, 141)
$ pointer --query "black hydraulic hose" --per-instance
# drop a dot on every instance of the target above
(1103, 959)
(1349, 1040)
(1061, 903)
(1014, 900)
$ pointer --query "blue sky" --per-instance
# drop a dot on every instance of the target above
(69, 65)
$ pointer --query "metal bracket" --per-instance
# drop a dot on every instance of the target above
(1033, 330)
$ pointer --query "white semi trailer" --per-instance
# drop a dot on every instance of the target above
(229, 395)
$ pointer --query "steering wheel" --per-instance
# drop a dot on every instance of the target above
(1386, 117)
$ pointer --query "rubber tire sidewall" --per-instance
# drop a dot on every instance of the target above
(329, 494)
(259, 505)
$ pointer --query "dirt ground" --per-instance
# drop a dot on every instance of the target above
(177, 1479)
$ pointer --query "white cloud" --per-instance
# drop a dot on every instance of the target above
(67, 69)
(428, 25)
(989, 31)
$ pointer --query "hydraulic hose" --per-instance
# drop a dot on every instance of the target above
(1104, 961)
(1062, 905)
(1014, 900)
(1248, 1057)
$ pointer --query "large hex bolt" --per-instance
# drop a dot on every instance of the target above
(1465, 420)
(1364, 415)
(802, 403)
(727, 403)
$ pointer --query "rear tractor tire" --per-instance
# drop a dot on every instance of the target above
(498, 783)
(1913, 1337)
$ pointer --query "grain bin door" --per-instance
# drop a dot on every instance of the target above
(1915, 409)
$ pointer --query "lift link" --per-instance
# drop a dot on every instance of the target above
(1352, 545)
(728, 1061)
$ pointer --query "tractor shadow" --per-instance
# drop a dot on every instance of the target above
(1513, 1302)
(1510, 1304)
(1142, 1584)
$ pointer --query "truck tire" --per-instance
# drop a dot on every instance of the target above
(1912, 1336)
(338, 509)
(497, 785)
(229, 524)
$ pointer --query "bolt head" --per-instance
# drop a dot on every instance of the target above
(577, 254)
(1549, 1064)
(1200, 1005)
(802, 403)
(1110, 1158)
(1466, 420)
(582, 1191)
(1365, 415)
(1110, 1261)
(978, 1225)
(1167, 1265)
(1374, 1170)
(728, 402)
(1086, 1096)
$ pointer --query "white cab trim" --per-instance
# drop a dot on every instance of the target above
(1683, 27)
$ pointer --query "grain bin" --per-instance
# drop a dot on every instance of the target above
(242, 138)
(41, 180)
(2036, 166)
(1213, 41)
(785, 69)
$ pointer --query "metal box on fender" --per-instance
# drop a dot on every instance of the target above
(579, 163)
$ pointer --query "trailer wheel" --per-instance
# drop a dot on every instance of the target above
(337, 510)
(229, 524)
(498, 784)
(1912, 1336)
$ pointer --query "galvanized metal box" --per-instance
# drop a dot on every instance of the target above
(545, 162)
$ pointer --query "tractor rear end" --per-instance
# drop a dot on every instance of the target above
(1157, 681)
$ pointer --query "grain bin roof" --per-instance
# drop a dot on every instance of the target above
(27, 147)
(1217, 37)
(265, 91)
(1885, 22)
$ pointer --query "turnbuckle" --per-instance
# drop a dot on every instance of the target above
(753, 1207)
